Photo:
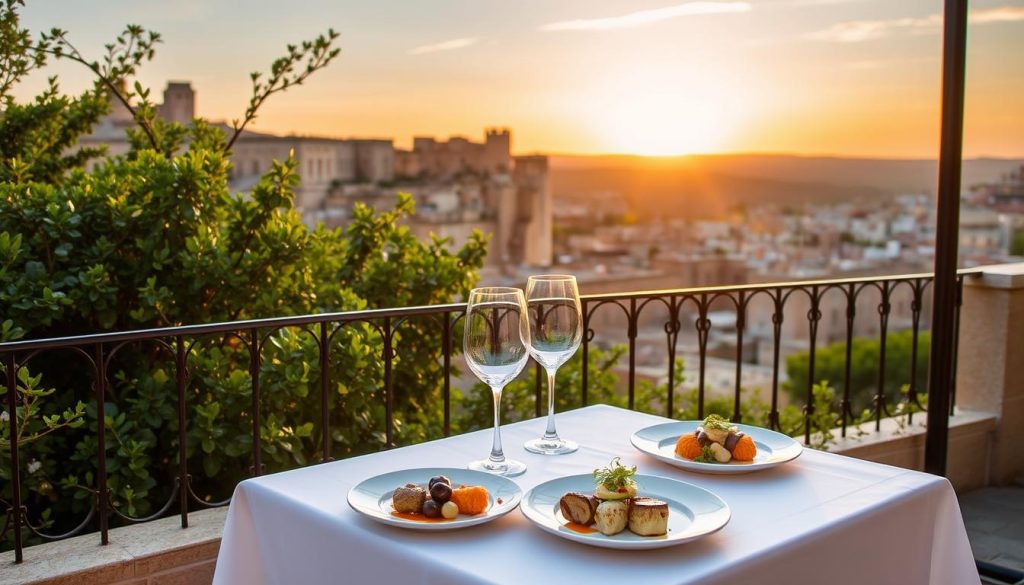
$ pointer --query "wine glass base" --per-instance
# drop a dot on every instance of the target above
(544, 446)
(507, 468)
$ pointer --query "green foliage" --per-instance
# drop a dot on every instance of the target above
(1017, 244)
(604, 386)
(155, 238)
(830, 364)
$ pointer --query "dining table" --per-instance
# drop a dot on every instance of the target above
(820, 518)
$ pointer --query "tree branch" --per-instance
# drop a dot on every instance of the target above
(318, 54)
(121, 60)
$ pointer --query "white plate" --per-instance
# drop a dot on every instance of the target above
(693, 511)
(659, 441)
(372, 497)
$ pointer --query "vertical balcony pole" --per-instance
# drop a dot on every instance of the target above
(954, 55)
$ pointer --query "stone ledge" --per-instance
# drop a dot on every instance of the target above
(895, 429)
(970, 439)
(153, 552)
(1007, 276)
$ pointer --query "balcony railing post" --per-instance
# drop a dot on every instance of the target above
(672, 337)
(180, 377)
(703, 329)
(990, 367)
(851, 314)
(586, 352)
(632, 331)
(954, 58)
(446, 350)
(956, 341)
(915, 308)
(325, 386)
(389, 399)
(778, 316)
(741, 310)
(102, 496)
(883, 331)
(12, 411)
(254, 376)
(813, 318)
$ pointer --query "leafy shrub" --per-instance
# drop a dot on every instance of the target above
(156, 238)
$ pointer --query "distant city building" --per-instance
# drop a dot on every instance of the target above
(1006, 195)
(433, 159)
(992, 221)
(179, 105)
(459, 185)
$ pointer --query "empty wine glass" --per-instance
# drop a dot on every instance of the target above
(496, 341)
(556, 329)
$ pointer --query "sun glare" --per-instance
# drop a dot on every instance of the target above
(654, 113)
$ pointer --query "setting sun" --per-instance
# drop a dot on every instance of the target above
(642, 111)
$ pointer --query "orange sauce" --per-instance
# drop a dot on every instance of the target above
(579, 528)
(417, 517)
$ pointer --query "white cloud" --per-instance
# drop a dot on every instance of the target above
(642, 17)
(998, 14)
(445, 46)
(857, 31)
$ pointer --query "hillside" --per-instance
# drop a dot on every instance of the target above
(708, 186)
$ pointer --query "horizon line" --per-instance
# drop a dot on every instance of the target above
(789, 154)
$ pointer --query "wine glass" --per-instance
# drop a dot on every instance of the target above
(495, 343)
(556, 329)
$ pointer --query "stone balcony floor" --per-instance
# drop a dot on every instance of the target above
(995, 524)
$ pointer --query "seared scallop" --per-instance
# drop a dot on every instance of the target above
(648, 517)
(612, 517)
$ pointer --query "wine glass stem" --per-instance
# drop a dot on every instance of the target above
(551, 434)
(497, 455)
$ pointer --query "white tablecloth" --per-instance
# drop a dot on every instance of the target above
(822, 518)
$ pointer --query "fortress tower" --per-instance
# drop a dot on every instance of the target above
(498, 150)
(179, 102)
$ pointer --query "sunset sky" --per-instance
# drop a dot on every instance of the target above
(840, 77)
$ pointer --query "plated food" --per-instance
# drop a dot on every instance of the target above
(435, 498)
(617, 508)
(438, 500)
(715, 445)
(716, 441)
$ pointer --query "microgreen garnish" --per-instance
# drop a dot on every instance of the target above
(614, 476)
(713, 421)
(706, 456)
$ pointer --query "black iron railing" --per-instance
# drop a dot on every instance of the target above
(680, 309)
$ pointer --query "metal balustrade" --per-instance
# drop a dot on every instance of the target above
(680, 309)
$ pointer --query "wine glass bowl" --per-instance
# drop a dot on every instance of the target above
(496, 342)
(556, 330)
